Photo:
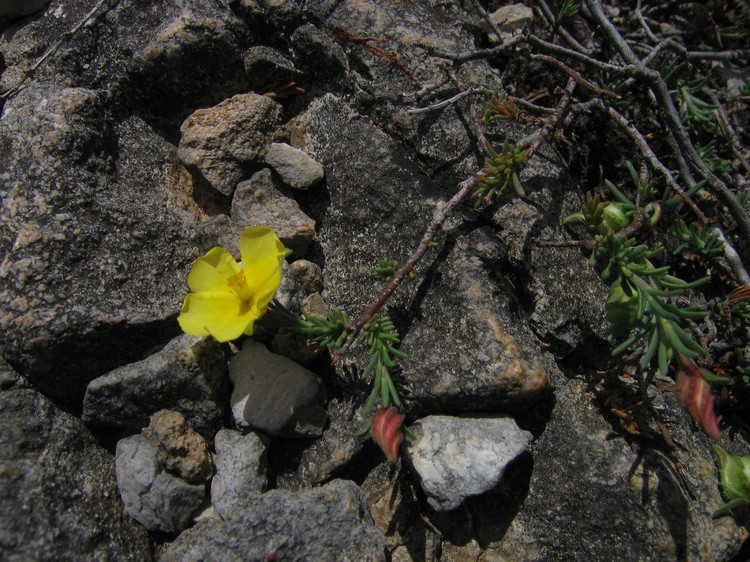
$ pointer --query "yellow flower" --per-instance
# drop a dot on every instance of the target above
(227, 299)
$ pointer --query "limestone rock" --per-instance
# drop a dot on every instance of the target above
(327, 523)
(188, 375)
(156, 499)
(240, 470)
(274, 394)
(457, 458)
(258, 201)
(295, 168)
(179, 449)
(219, 141)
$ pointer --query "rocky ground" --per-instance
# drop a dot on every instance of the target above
(137, 135)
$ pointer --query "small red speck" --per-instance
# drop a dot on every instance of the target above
(271, 557)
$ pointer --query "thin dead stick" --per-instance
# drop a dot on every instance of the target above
(535, 140)
(480, 53)
(723, 119)
(53, 49)
(438, 219)
(440, 104)
(576, 75)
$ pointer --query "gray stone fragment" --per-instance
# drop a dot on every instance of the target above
(218, 141)
(267, 67)
(327, 523)
(156, 499)
(295, 168)
(274, 394)
(309, 275)
(189, 375)
(381, 195)
(317, 52)
(58, 496)
(179, 449)
(258, 201)
(240, 470)
(567, 294)
(456, 458)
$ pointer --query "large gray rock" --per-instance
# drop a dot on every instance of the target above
(98, 249)
(155, 498)
(189, 375)
(275, 395)
(58, 497)
(456, 458)
(567, 295)
(327, 523)
(470, 342)
(375, 206)
(240, 470)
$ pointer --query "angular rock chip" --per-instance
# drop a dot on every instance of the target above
(189, 375)
(240, 470)
(295, 168)
(219, 141)
(456, 458)
(274, 394)
(258, 201)
(179, 449)
(327, 523)
(156, 499)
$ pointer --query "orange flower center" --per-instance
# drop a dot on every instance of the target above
(238, 284)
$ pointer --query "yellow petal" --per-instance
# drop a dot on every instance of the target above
(262, 254)
(221, 315)
(212, 271)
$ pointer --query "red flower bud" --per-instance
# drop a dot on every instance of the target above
(385, 429)
(694, 394)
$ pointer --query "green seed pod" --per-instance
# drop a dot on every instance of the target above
(735, 475)
(622, 308)
(615, 218)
